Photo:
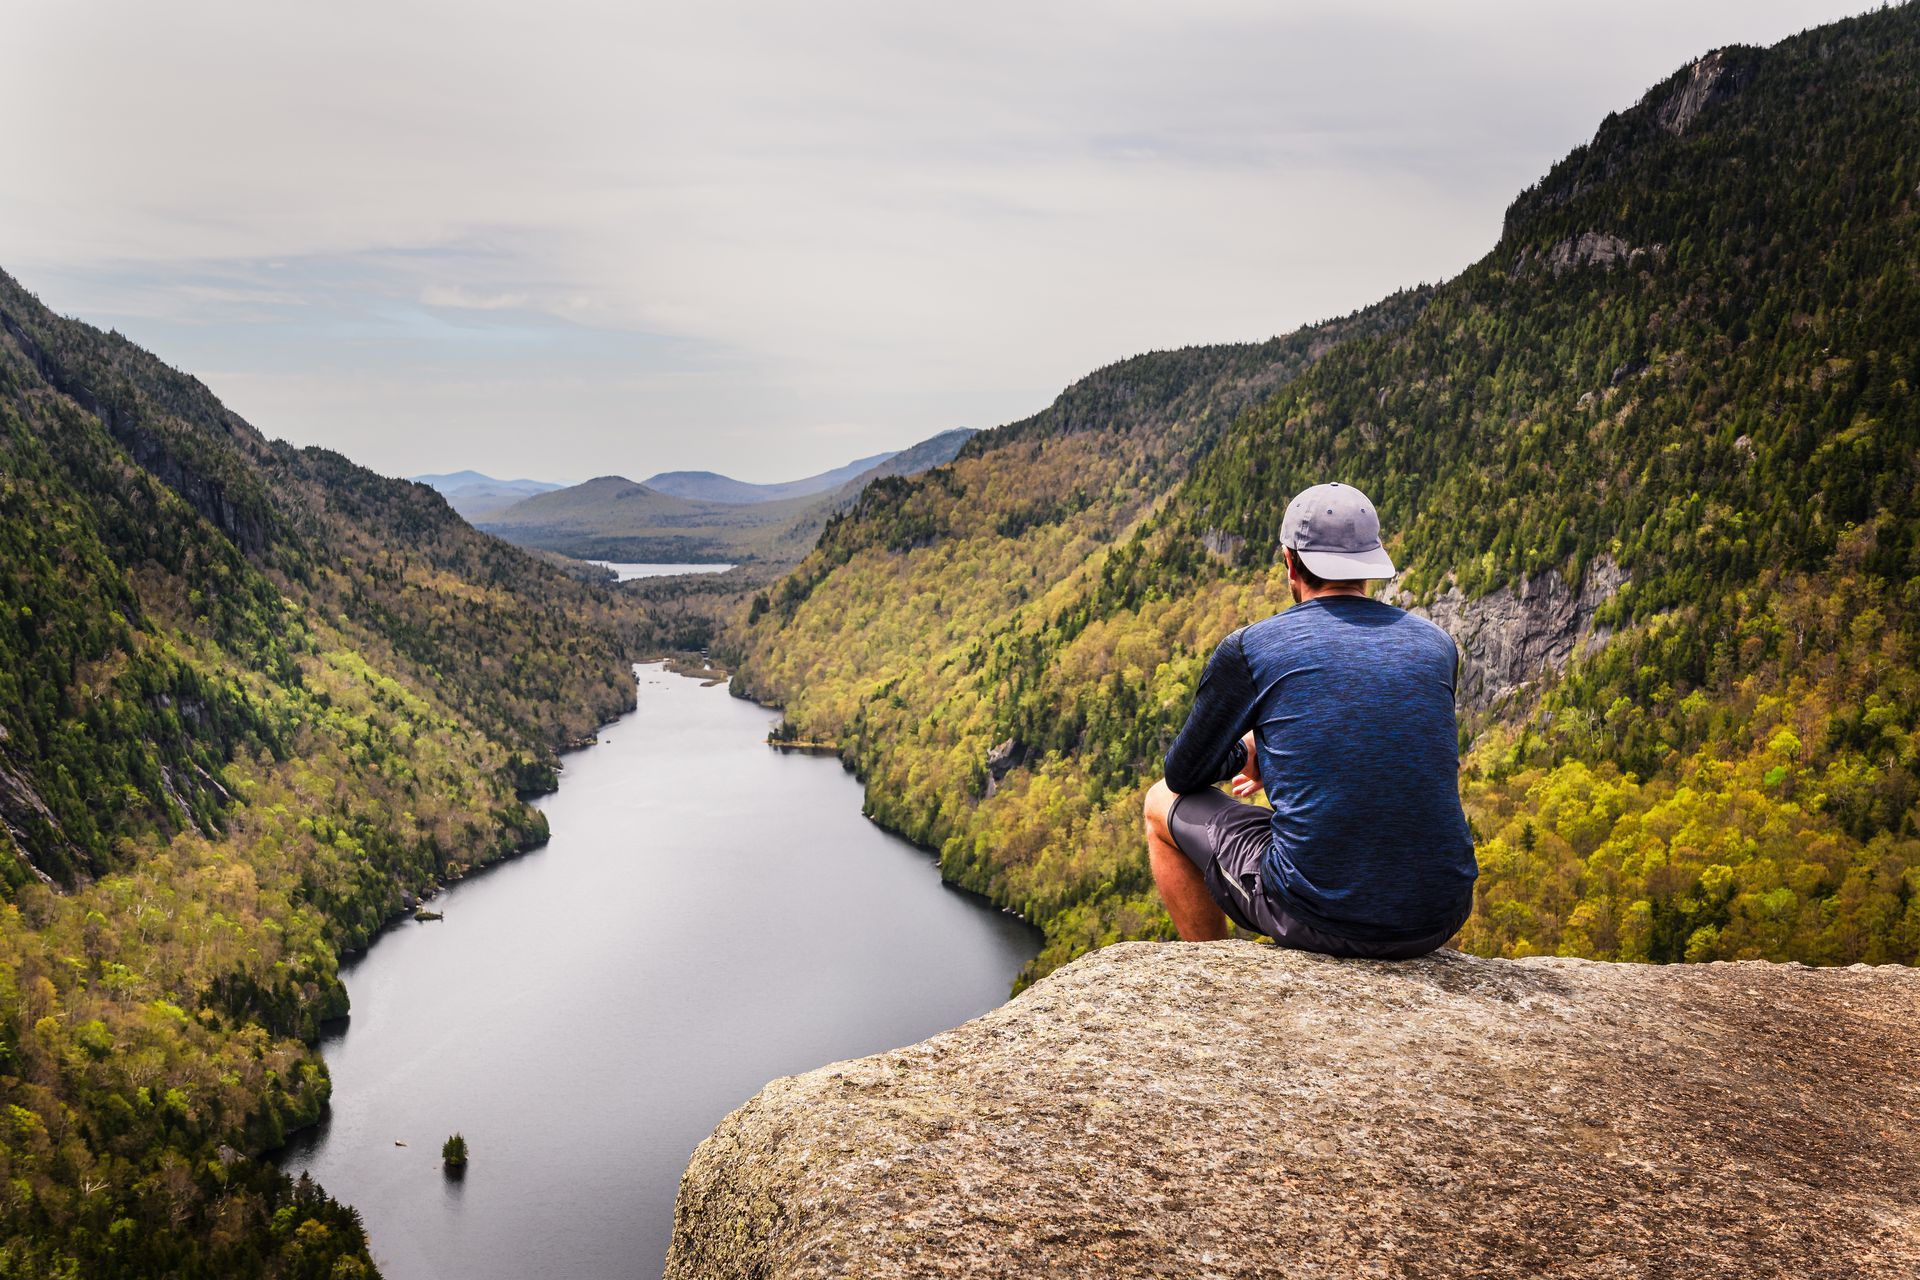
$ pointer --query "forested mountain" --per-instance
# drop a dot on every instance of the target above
(710, 486)
(250, 695)
(1679, 388)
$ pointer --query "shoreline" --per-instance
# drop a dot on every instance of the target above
(815, 746)
(349, 956)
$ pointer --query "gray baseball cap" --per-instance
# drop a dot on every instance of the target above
(1336, 533)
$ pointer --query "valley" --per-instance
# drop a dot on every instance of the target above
(1653, 459)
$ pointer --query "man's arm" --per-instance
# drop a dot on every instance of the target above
(1211, 746)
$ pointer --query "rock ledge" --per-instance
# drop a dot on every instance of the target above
(1232, 1109)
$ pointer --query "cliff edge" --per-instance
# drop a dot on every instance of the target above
(1232, 1109)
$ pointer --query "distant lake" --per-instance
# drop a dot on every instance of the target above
(710, 914)
(627, 571)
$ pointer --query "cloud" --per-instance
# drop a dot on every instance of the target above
(735, 224)
(458, 297)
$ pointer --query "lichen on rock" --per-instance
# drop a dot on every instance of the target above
(1232, 1109)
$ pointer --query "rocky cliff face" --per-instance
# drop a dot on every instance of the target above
(1232, 1109)
(1511, 637)
(1710, 80)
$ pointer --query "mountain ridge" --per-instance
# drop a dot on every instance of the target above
(711, 486)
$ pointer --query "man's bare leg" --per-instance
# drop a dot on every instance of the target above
(1195, 914)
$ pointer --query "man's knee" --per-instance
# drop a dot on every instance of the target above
(1160, 798)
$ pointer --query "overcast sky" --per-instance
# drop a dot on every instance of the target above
(567, 238)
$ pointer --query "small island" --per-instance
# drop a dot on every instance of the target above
(453, 1155)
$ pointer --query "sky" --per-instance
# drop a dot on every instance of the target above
(584, 237)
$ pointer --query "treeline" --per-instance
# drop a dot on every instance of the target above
(249, 696)
(1692, 353)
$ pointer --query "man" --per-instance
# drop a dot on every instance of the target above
(1342, 708)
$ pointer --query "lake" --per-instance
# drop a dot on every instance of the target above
(628, 572)
(709, 914)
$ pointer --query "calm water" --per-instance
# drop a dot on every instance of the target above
(623, 572)
(709, 914)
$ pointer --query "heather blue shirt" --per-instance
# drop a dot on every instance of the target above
(1351, 704)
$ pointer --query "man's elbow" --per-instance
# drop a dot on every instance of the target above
(1181, 782)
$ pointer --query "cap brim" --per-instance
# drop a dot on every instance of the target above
(1337, 566)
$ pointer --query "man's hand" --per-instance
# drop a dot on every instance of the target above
(1247, 781)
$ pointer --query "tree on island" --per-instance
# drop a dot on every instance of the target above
(453, 1153)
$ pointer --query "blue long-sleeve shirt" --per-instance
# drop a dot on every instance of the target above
(1351, 704)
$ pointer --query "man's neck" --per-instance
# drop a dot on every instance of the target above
(1358, 589)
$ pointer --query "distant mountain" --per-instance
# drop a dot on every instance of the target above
(710, 486)
(476, 496)
(592, 506)
(665, 519)
(459, 481)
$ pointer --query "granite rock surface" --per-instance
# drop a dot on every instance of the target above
(1511, 637)
(1232, 1109)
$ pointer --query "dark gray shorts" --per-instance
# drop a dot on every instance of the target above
(1227, 840)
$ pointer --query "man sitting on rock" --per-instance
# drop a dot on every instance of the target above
(1342, 708)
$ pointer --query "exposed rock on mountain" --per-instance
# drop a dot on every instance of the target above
(18, 797)
(1590, 248)
(1002, 760)
(1595, 247)
(1712, 79)
(1220, 543)
(1236, 1110)
(1514, 636)
(1669, 108)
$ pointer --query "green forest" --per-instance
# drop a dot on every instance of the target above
(1689, 358)
(249, 697)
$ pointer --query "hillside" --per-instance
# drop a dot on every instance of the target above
(1672, 407)
(250, 696)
